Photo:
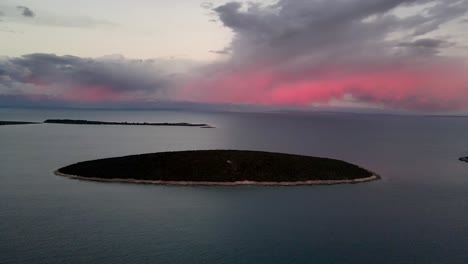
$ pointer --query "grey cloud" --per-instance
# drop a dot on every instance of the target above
(115, 74)
(425, 46)
(442, 12)
(26, 11)
(425, 43)
(321, 28)
(224, 51)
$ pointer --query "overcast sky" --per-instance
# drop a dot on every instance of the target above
(381, 54)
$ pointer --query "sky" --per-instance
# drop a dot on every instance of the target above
(385, 55)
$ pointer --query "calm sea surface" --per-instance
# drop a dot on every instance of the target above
(418, 212)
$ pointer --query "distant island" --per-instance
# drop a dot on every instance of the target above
(7, 123)
(465, 159)
(219, 167)
(87, 122)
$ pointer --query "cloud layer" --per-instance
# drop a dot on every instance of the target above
(384, 53)
(70, 78)
(312, 52)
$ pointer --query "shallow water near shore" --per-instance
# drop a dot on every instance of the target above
(417, 213)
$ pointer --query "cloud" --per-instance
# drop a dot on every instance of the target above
(425, 43)
(291, 53)
(324, 27)
(224, 51)
(304, 52)
(10, 14)
(425, 46)
(25, 11)
(110, 78)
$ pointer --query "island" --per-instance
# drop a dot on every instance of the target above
(465, 159)
(219, 167)
(7, 123)
(87, 122)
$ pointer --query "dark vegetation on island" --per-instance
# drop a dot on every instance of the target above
(217, 166)
(6, 123)
(87, 122)
(465, 159)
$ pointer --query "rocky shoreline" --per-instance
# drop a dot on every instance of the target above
(235, 183)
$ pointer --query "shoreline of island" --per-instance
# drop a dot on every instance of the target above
(373, 177)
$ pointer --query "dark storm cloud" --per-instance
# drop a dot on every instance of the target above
(26, 11)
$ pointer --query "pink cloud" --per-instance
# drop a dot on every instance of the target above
(441, 86)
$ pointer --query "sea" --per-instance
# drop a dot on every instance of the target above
(417, 212)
